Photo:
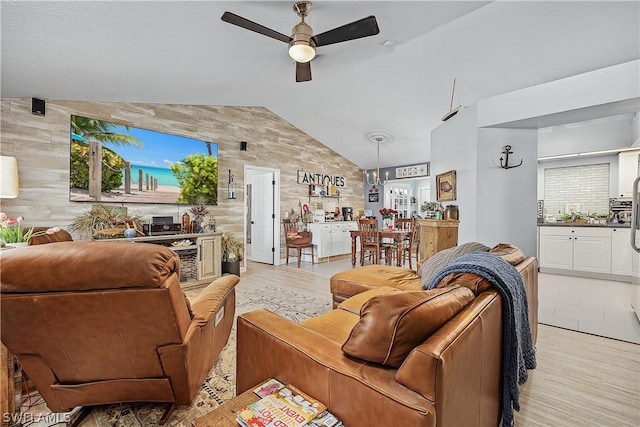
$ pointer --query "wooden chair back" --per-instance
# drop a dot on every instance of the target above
(404, 224)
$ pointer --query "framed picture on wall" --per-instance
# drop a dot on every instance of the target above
(446, 186)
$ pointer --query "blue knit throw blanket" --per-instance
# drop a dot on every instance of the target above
(518, 353)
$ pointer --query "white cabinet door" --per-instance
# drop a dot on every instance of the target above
(321, 238)
(621, 252)
(627, 172)
(347, 226)
(336, 239)
(592, 254)
(556, 251)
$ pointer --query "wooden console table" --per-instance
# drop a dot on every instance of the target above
(200, 262)
(437, 235)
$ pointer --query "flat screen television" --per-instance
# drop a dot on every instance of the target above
(112, 162)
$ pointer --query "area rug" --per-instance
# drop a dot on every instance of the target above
(219, 386)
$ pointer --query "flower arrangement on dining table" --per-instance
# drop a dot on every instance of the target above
(12, 230)
(388, 213)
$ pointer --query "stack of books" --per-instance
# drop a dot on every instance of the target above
(285, 406)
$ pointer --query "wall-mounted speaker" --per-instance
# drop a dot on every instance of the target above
(37, 106)
(243, 145)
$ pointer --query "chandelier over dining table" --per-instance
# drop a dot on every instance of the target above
(378, 137)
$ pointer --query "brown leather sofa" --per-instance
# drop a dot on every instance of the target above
(451, 378)
(352, 282)
(103, 322)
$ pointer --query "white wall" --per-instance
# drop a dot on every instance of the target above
(506, 198)
(496, 205)
(454, 146)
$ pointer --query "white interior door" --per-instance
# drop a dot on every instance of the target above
(262, 217)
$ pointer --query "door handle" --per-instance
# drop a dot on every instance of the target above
(634, 214)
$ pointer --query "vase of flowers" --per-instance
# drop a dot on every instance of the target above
(13, 232)
(388, 217)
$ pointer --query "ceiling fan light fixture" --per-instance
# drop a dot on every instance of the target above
(302, 48)
(301, 51)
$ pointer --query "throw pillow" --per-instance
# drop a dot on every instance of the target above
(392, 325)
(512, 254)
(440, 260)
(473, 282)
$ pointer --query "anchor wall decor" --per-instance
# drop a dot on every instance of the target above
(506, 152)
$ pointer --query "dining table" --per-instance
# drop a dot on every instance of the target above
(397, 235)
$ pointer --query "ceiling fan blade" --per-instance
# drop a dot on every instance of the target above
(234, 19)
(303, 71)
(365, 27)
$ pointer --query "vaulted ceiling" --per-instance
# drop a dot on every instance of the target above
(182, 53)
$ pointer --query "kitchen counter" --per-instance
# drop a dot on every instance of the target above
(576, 224)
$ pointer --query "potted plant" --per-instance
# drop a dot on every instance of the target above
(232, 254)
(105, 222)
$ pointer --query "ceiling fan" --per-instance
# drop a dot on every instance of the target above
(302, 42)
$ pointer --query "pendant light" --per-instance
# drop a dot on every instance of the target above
(378, 137)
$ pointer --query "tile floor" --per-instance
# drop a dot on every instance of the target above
(594, 306)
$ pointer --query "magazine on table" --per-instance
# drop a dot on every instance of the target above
(287, 407)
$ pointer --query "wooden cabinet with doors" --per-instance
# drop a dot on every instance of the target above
(437, 235)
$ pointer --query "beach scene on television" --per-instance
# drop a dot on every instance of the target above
(112, 162)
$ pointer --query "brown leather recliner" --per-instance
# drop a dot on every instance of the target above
(103, 322)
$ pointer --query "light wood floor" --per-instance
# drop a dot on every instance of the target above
(581, 379)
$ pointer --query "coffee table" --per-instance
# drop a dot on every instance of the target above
(225, 414)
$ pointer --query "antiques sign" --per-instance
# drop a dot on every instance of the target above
(411, 171)
(308, 178)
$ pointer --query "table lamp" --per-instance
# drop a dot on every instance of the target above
(8, 177)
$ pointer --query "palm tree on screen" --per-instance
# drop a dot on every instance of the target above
(105, 132)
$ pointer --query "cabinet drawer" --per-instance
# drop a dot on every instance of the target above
(592, 232)
(556, 231)
(575, 231)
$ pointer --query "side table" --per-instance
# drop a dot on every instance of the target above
(225, 414)
(7, 385)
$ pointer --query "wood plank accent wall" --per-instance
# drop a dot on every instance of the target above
(41, 145)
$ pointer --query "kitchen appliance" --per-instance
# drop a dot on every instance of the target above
(347, 213)
(635, 244)
(635, 219)
(620, 210)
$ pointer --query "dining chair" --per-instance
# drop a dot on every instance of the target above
(370, 240)
(297, 240)
(412, 243)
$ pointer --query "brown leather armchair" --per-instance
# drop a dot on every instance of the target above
(103, 322)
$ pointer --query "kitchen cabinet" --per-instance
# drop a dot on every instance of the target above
(621, 251)
(586, 249)
(627, 172)
(583, 249)
(331, 238)
(556, 248)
